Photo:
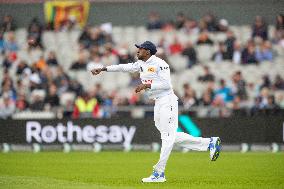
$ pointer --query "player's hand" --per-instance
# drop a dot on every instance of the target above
(142, 87)
(96, 71)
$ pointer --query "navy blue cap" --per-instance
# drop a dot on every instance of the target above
(148, 45)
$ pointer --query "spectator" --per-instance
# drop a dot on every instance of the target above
(154, 21)
(52, 99)
(46, 78)
(210, 89)
(189, 99)
(35, 81)
(97, 36)
(180, 20)
(256, 106)
(95, 62)
(279, 22)
(279, 32)
(223, 25)
(85, 37)
(264, 94)
(75, 86)
(204, 39)
(271, 103)
(34, 33)
(190, 52)
(21, 67)
(37, 100)
(210, 22)
(25, 81)
(2, 46)
(137, 99)
(281, 40)
(202, 26)
(236, 103)
(237, 53)
(9, 60)
(248, 54)
(81, 63)
(100, 94)
(162, 43)
(266, 83)
(21, 103)
(86, 104)
(190, 26)
(61, 80)
(168, 26)
(8, 24)
(280, 100)
(239, 86)
(259, 28)
(69, 24)
(219, 110)
(51, 59)
(278, 83)
(208, 76)
(265, 52)
(124, 57)
(109, 58)
(162, 54)
(7, 106)
(21, 88)
(11, 44)
(175, 47)
(95, 51)
(229, 42)
(41, 64)
(221, 54)
(223, 94)
(206, 99)
(6, 77)
(8, 88)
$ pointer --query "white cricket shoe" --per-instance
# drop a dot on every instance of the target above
(215, 148)
(155, 177)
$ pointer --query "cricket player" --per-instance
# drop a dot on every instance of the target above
(156, 82)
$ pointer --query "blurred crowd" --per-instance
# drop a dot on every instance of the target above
(40, 86)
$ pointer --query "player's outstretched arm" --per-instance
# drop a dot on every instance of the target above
(97, 71)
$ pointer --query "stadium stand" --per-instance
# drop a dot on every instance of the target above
(250, 60)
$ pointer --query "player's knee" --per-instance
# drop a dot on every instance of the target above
(168, 136)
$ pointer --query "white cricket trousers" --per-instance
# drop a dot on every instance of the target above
(166, 121)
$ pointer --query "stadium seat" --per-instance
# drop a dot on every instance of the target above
(246, 33)
(204, 53)
(65, 97)
(123, 80)
(49, 40)
(178, 62)
(21, 37)
(155, 36)
(218, 37)
(271, 31)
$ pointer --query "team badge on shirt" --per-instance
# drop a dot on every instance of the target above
(151, 69)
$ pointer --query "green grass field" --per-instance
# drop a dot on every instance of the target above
(119, 170)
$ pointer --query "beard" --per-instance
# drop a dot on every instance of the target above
(139, 57)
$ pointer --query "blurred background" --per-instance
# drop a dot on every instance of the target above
(226, 59)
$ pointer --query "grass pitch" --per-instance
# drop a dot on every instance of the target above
(119, 170)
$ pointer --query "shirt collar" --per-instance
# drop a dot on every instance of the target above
(150, 59)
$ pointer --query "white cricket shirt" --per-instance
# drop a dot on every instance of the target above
(154, 71)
